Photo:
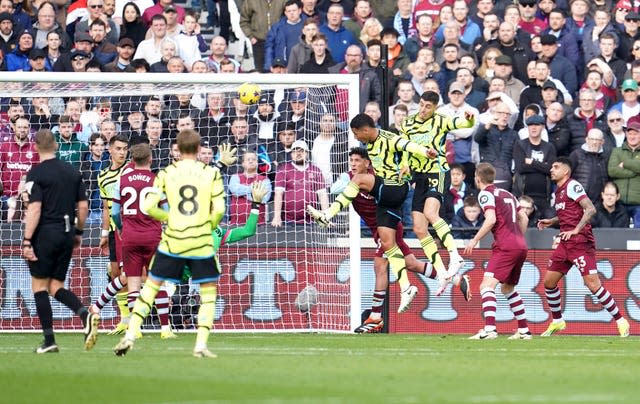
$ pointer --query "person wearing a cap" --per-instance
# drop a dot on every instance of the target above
(278, 66)
(623, 170)
(96, 12)
(46, 22)
(122, 63)
(18, 60)
(629, 106)
(158, 9)
(83, 45)
(567, 39)
(8, 35)
(37, 60)
(620, 10)
(283, 35)
(298, 183)
(293, 115)
(532, 158)
(628, 35)
(504, 70)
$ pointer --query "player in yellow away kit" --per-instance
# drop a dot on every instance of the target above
(195, 195)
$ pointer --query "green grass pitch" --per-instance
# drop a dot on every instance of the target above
(323, 368)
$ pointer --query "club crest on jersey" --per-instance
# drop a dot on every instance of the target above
(560, 205)
(484, 199)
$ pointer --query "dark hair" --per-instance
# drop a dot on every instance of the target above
(359, 151)
(389, 31)
(430, 96)
(119, 138)
(362, 121)
(140, 153)
(137, 63)
(566, 161)
(470, 201)
(98, 22)
(93, 64)
(65, 119)
(292, 2)
(45, 140)
(558, 11)
(95, 136)
(375, 42)
(456, 166)
(158, 17)
(611, 184)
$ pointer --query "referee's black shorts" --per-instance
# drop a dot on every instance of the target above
(170, 268)
(53, 247)
(430, 185)
(389, 199)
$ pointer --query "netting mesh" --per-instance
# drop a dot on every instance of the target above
(263, 275)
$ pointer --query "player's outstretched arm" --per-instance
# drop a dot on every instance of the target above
(258, 191)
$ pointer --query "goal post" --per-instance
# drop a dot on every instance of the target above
(263, 275)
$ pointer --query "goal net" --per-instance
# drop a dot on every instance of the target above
(291, 276)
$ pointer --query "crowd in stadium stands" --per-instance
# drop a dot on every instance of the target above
(545, 78)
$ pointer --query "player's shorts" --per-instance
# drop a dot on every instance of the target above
(568, 254)
(430, 185)
(170, 268)
(115, 247)
(137, 257)
(399, 240)
(53, 247)
(506, 265)
(389, 199)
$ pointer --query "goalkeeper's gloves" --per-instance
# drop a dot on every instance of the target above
(227, 156)
(258, 191)
(318, 216)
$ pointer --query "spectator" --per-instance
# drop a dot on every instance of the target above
(604, 95)
(528, 205)
(371, 31)
(280, 151)
(132, 26)
(310, 10)
(214, 120)
(320, 60)
(8, 33)
(458, 192)
(122, 62)
(218, 54)
(173, 27)
(532, 158)
(509, 45)
(46, 22)
(567, 40)
(591, 35)
(70, 149)
(463, 144)
(561, 67)
(190, 41)
(256, 19)
(629, 106)
(242, 140)
(83, 45)
(37, 60)
(328, 147)
(205, 153)
(149, 49)
(158, 9)
(400, 112)
(362, 11)
(469, 216)
(532, 94)
(504, 70)
(471, 30)
(96, 12)
(486, 70)
(370, 86)
(265, 116)
(558, 129)
(479, 84)
(585, 117)
(423, 38)
(405, 97)
(298, 184)
(240, 190)
(40, 114)
(615, 134)
(338, 38)
(294, 115)
(18, 59)
(104, 51)
(628, 35)
(53, 50)
(168, 49)
(160, 157)
(496, 141)
(624, 170)
(590, 164)
(608, 44)
(283, 35)
(449, 65)
(372, 109)
(529, 22)
(94, 161)
(609, 211)
(17, 156)
(301, 51)
(472, 97)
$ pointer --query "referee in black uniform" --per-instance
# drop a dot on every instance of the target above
(54, 192)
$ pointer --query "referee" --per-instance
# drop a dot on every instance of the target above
(54, 190)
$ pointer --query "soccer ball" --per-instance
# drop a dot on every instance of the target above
(307, 298)
(249, 93)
